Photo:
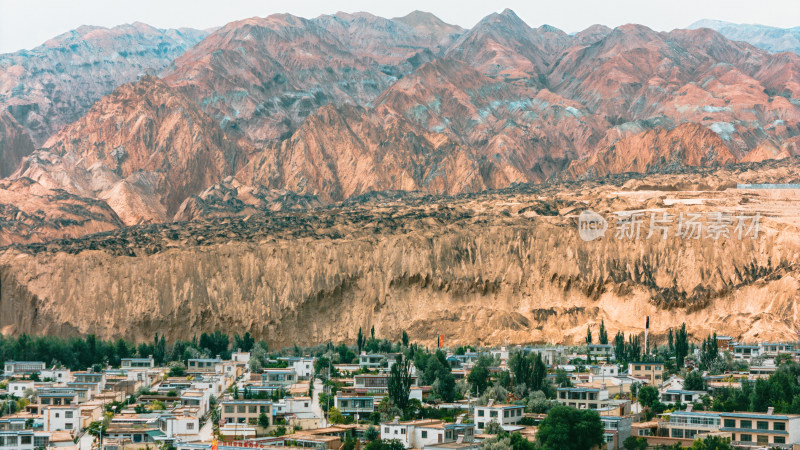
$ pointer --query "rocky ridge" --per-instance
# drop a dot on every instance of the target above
(509, 262)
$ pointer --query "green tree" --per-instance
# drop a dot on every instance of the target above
(588, 335)
(335, 416)
(712, 443)
(693, 381)
(478, 377)
(404, 339)
(263, 420)
(567, 428)
(603, 334)
(446, 387)
(562, 378)
(245, 342)
(708, 351)
(360, 341)
(529, 370)
(385, 444)
(371, 434)
(635, 443)
(493, 427)
(399, 382)
(648, 396)
(619, 347)
(177, 369)
(681, 346)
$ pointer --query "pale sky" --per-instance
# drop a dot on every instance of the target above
(28, 23)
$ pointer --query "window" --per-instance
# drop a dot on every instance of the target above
(386, 429)
(228, 409)
(730, 423)
(57, 415)
(746, 424)
(68, 425)
(480, 413)
(779, 440)
(240, 409)
(762, 439)
(402, 431)
(747, 438)
(68, 414)
(637, 367)
(25, 440)
(190, 426)
(762, 425)
(505, 414)
(424, 434)
(492, 413)
(253, 409)
(779, 426)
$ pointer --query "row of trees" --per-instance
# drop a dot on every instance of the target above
(80, 352)
(603, 334)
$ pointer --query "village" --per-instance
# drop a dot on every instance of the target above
(383, 395)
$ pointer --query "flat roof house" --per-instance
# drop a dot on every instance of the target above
(601, 350)
(278, 377)
(11, 368)
(137, 363)
(743, 351)
(672, 396)
(688, 424)
(503, 414)
(62, 418)
(356, 404)
(426, 432)
(56, 396)
(774, 349)
(204, 365)
(372, 361)
(582, 397)
(652, 371)
(245, 412)
(762, 429)
(374, 384)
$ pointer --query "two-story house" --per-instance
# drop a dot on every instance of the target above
(653, 372)
(503, 414)
(426, 432)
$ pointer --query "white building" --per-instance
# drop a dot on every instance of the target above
(672, 396)
(17, 440)
(370, 361)
(57, 375)
(17, 387)
(62, 418)
(426, 432)
(240, 357)
(303, 367)
(11, 368)
(178, 426)
(503, 414)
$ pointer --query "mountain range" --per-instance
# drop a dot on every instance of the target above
(137, 125)
(771, 39)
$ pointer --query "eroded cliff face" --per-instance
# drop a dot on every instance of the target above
(501, 267)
